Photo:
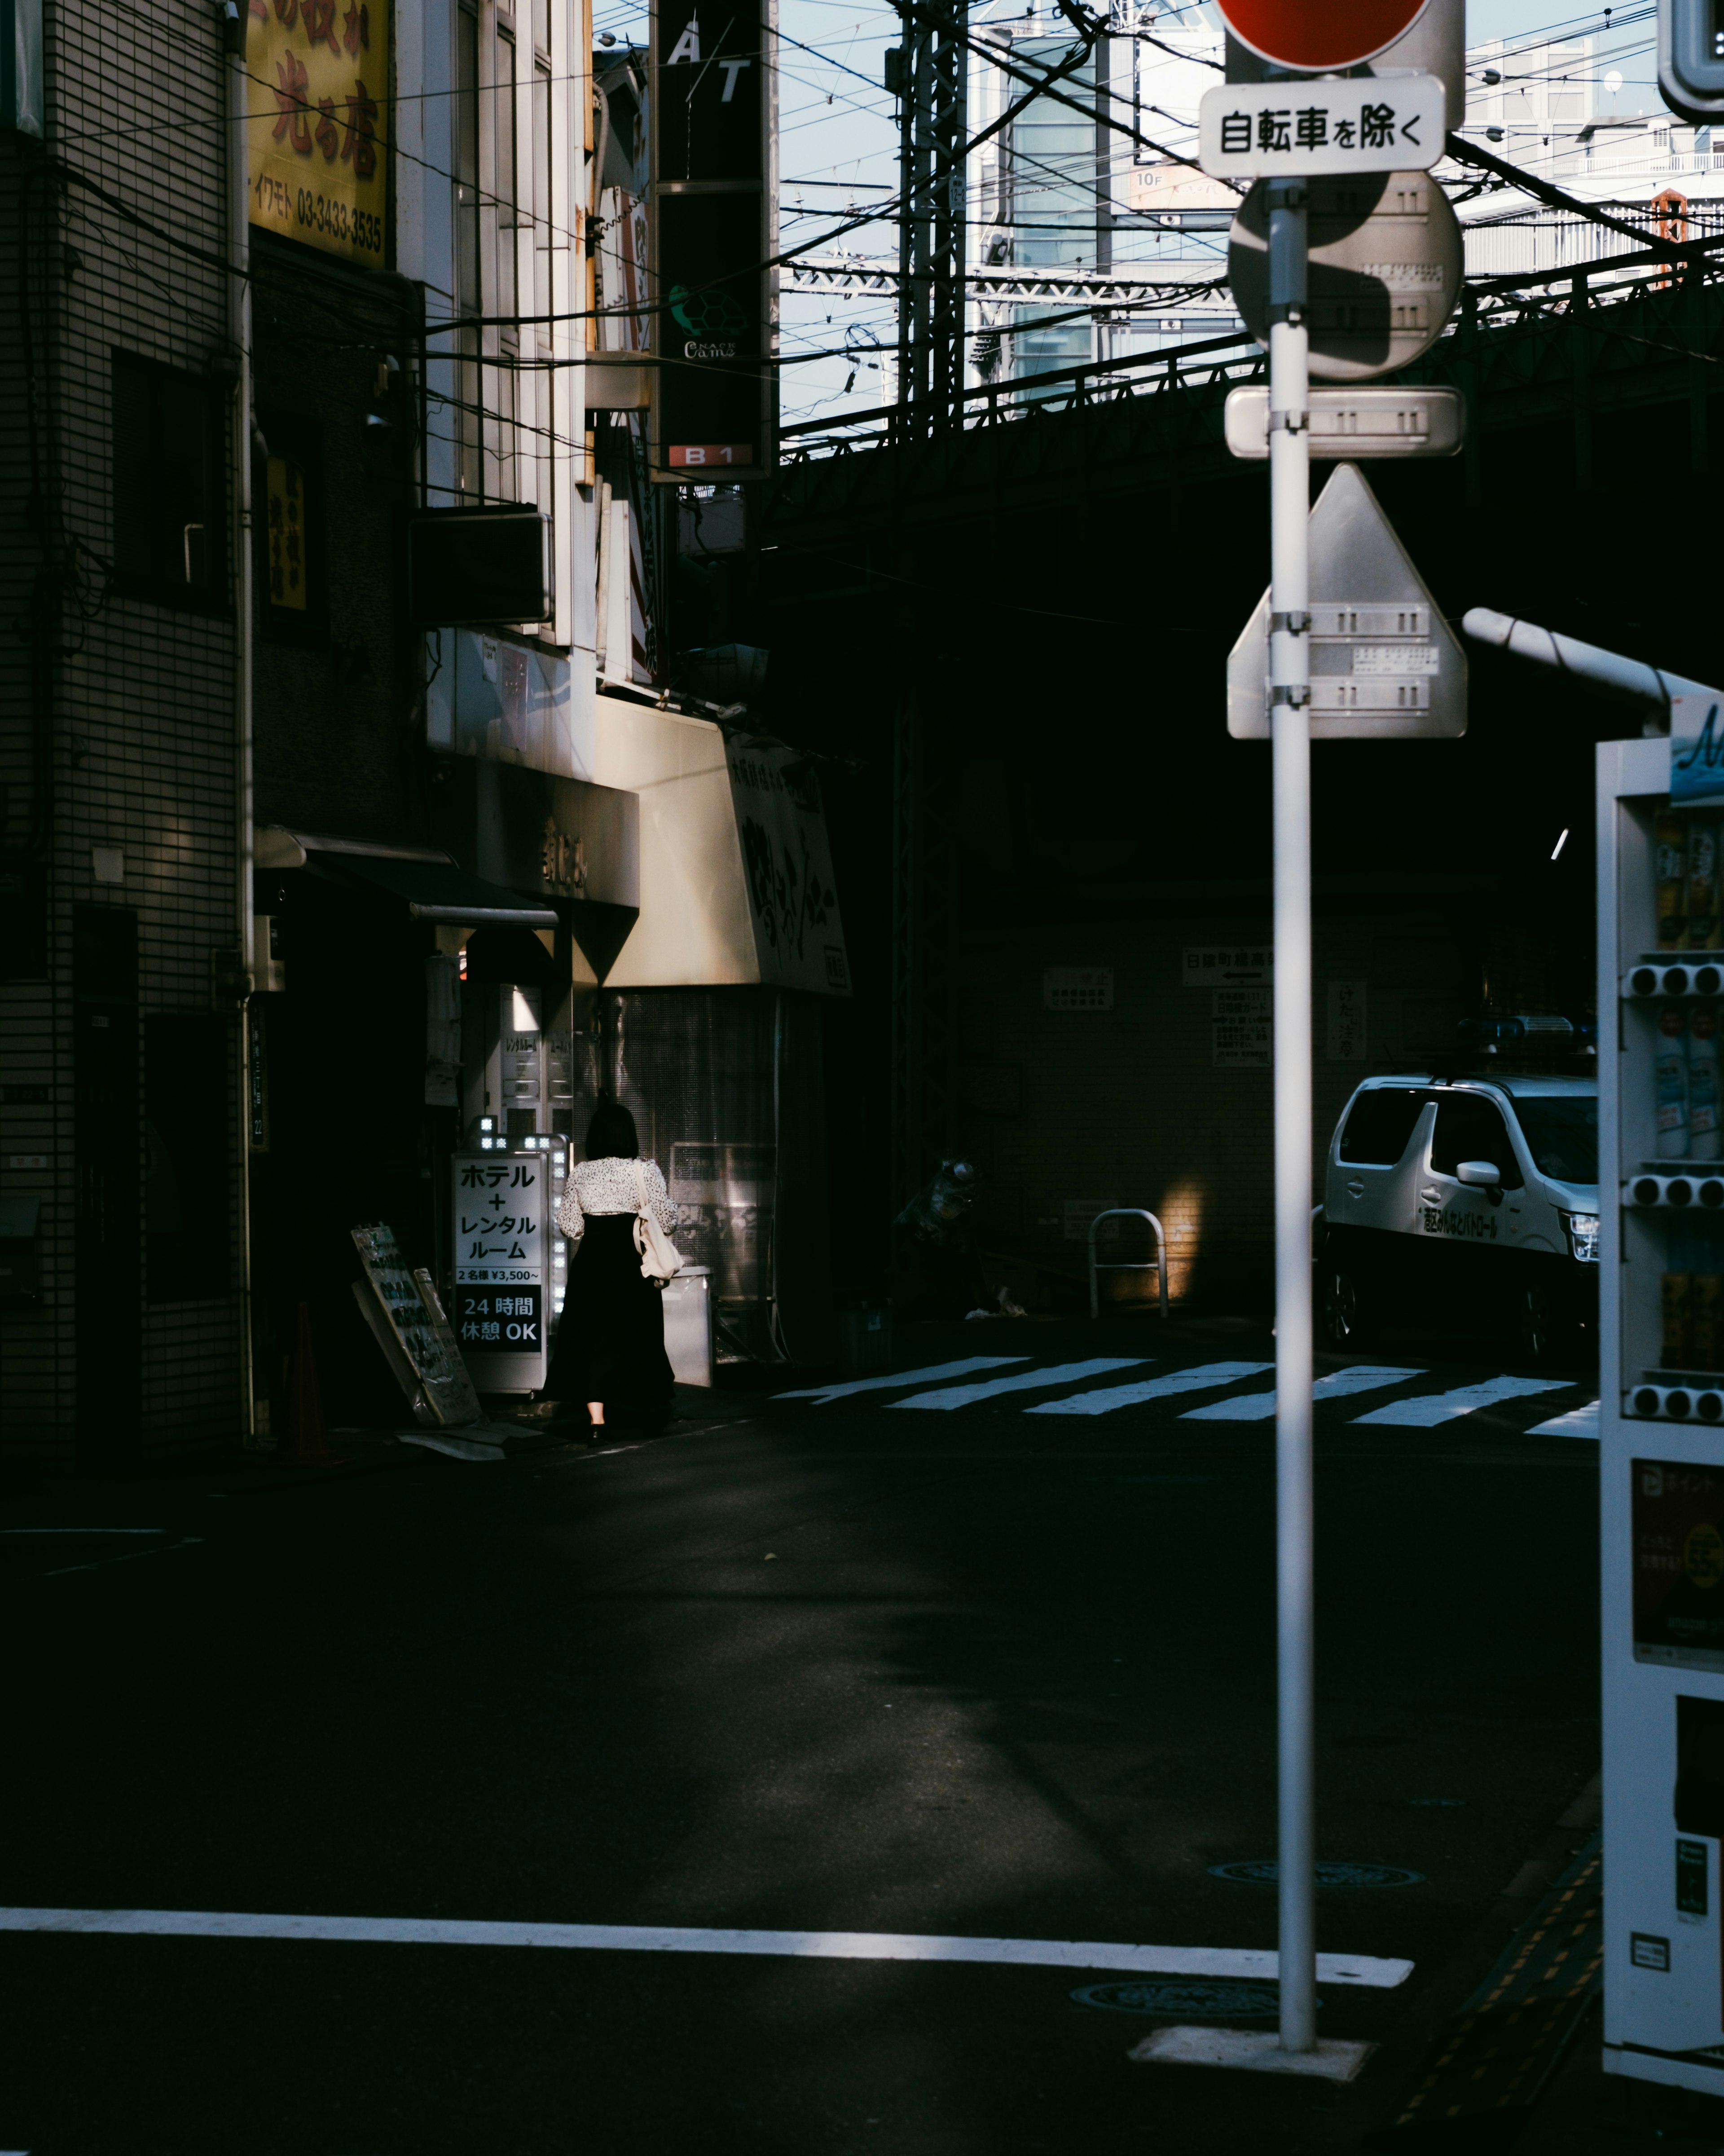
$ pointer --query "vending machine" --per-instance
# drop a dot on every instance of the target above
(1661, 1409)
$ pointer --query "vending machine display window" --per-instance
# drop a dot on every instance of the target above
(1678, 1512)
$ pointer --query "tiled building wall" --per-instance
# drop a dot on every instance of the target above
(142, 747)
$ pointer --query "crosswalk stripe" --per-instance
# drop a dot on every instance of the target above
(1579, 1422)
(1023, 1381)
(1258, 1407)
(1430, 1408)
(821, 1394)
(1111, 1396)
(1379, 1972)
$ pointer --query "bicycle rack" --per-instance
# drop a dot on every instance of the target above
(1157, 1264)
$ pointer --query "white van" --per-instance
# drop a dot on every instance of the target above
(1462, 1201)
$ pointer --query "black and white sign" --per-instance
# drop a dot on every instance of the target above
(1384, 664)
(1299, 130)
(502, 1237)
(1383, 278)
(1403, 421)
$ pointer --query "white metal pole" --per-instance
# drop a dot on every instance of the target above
(1290, 727)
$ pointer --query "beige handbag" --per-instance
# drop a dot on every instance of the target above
(660, 1261)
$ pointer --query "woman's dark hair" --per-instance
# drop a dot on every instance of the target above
(611, 1134)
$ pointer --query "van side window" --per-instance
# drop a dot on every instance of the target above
(1380, 1125)
(1469, 1127)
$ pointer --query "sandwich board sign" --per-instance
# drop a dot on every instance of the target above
(416, 1320)
(1384, 664)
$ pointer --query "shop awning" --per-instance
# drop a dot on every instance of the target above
(436, 891)
(433, 888)
(277, 847)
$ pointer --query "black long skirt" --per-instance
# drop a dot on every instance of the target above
(610, 1345)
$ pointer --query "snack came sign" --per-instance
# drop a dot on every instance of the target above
(319, 87)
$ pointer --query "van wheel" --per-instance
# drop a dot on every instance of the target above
(1348, 1321)
(1546, 1337)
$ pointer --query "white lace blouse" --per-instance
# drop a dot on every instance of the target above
(610, 1186)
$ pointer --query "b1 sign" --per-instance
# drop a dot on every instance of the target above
(1303, 130)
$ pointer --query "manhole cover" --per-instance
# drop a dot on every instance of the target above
(1264, 1872)
(1224, 2000)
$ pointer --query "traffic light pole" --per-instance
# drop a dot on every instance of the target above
(1290, 728)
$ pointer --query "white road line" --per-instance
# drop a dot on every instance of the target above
(664, 1938)
(1025, 1381)
(1259, 1407)
(1579, 1422)
(1433, 1408)
(1203, 1378)
(126, 1557)
(824, 1393)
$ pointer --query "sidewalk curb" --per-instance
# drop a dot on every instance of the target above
(1368, 2102)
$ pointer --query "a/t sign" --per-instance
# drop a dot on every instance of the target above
(1317, 35)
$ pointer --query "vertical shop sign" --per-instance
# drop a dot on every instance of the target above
(1347, 1021)
(714, 230)
(319, 75)
(786, 863)
(501, 1232)
(285, 510)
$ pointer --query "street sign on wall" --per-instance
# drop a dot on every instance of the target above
(1384, 272)
(1401, 422)
(1298, 130)
(713, 230)
(1316, 35)
(1384, 664)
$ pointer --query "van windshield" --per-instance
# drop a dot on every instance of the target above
(1562, 1131)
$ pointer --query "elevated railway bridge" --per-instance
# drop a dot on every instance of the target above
(1010, 628)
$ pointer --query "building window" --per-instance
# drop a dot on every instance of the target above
(169, 499)
(188, 1242)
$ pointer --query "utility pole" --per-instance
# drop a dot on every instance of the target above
(1244, 132)
(933, 82)
(1290, 734)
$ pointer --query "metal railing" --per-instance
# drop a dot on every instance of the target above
(1495, 303)
(1156, 1265)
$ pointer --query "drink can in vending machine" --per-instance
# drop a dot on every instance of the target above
(1703, 1134)
(1671, 851)
(1706, 1319)
(1701, 904)
(1670, 1073)
(1676, 1311)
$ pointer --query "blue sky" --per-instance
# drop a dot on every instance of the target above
(838, 150)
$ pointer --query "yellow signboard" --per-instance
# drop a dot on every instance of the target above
(285, 492)
(320, 79)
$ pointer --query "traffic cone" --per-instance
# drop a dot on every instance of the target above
(303, 1442)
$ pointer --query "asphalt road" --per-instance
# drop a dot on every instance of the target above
(836, 1666)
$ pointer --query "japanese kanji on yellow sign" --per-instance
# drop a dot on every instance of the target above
(319, 74)
(286, 509)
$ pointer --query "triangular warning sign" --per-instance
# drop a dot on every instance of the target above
(1384, 664)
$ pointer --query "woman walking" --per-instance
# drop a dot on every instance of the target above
(610, 1347)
